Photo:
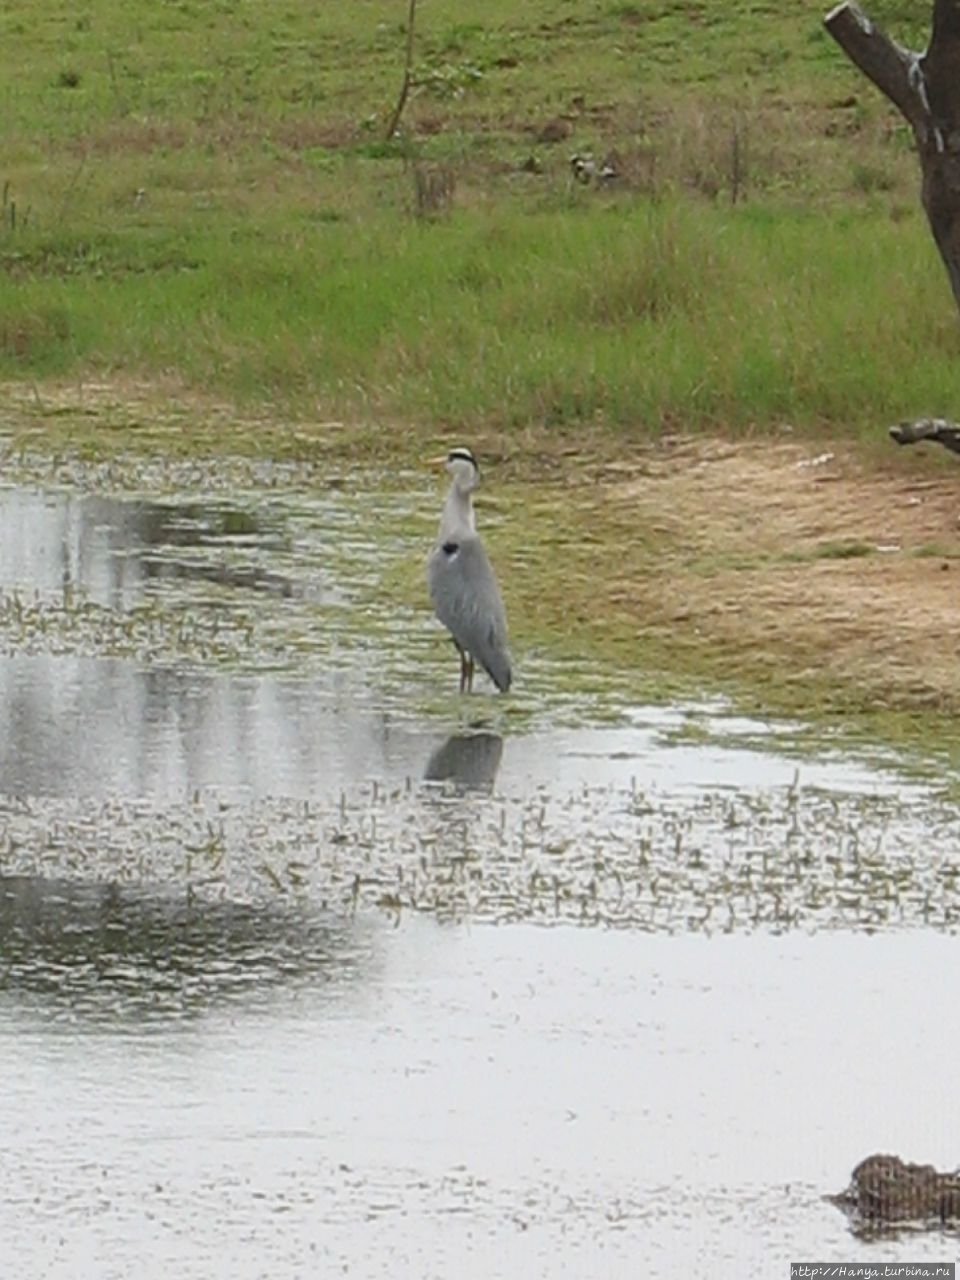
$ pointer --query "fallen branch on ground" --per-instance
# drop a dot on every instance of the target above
(936, 429)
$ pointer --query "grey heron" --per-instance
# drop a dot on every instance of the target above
(462, 584)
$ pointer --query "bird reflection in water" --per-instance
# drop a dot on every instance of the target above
(105, 953)
(469, 761)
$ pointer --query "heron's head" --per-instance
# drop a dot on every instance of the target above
(463, 469)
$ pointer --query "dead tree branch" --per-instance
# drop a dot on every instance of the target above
(936, 429)
(892, 68)
(394, 124)
(925, 87)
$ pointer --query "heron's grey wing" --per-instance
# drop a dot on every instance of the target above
(467, 601)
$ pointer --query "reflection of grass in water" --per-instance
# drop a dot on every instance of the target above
(104, 952)
(777, 859)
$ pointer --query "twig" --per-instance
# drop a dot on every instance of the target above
(394, 124)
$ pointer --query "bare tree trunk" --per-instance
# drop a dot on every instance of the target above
(926, 89)
(394, 124)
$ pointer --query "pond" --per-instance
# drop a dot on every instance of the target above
(310, 966)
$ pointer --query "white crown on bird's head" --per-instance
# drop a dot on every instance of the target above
(462, 455)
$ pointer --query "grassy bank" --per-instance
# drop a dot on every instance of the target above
(203, 190)
(673, 313)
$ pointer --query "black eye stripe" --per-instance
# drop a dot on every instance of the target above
(461, 455)
(451, 548)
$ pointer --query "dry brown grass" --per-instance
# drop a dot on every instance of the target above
(828, 568)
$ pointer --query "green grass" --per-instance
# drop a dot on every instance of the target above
(676, 312)
(202, 188)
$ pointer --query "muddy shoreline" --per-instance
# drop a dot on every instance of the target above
(792, 575)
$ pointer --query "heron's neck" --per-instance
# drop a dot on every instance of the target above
(457, 519)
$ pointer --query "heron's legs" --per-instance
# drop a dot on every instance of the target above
(466, 670)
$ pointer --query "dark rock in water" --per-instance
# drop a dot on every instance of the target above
(884, 1189)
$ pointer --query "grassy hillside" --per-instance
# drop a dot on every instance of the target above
(204, 188)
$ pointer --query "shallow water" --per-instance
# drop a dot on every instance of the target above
(307, 971)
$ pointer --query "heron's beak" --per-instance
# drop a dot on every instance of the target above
(438, 462)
